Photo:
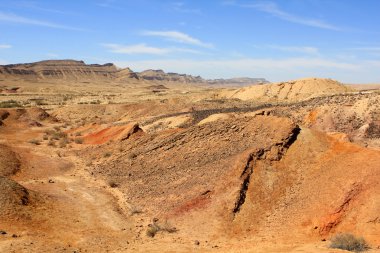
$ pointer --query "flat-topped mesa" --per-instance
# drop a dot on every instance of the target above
(79, 71)
(59, 69)
(160, 75)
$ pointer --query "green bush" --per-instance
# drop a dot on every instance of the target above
(349, 242)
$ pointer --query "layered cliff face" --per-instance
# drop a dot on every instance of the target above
(159, 75)
(78, 70)
(59, 69)
(71, 70)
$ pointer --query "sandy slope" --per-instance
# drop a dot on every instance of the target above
(289, 91)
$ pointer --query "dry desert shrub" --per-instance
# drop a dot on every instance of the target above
(152, 230)
(155, 227)
(10, 104)
(113, 184)
(135, 210)
(63, 142)
(78, 141)
(349, 242)
(35, 142)
(107, 154)
(51, 143)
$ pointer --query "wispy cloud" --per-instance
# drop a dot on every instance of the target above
(109, 4)
(5, 46)
(273, 9)
(181, 7)
(52, 55)
(295, 49)
(13, 18)
(145, 49)
(177, 37)
(36, 6)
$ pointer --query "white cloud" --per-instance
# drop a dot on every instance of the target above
(135, 49)
(12, 18)
(52, 55)
(5, 46)
(177, 37)
(145, 49)
(296, 49)
(180, 7)
(272, 9)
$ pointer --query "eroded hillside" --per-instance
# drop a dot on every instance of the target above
(282, 170)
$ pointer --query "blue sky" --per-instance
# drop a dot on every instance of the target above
(279, 40)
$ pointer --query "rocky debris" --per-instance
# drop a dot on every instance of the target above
(9, 161)
(12, 196)
(356, 115)
(206, 150)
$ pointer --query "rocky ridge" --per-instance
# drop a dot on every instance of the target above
(80, 71)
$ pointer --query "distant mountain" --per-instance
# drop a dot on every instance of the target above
(72, 70)
(239, 81)
(160, 75)
(59, 69)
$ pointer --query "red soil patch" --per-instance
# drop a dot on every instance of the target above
(112, 133)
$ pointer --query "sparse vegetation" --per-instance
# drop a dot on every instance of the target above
(132, 155)
(154, 228)
(10, 104)
(51, 143)
(113, 184)
(63, 142)
(349, 242)
(95, 102)
(56, 134)
(78, 140)
(35, 142)
(135, 210)
(107, 154)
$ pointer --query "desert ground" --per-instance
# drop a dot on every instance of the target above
(99, 159)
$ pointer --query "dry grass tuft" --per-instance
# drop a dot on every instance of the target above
(349, 242)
